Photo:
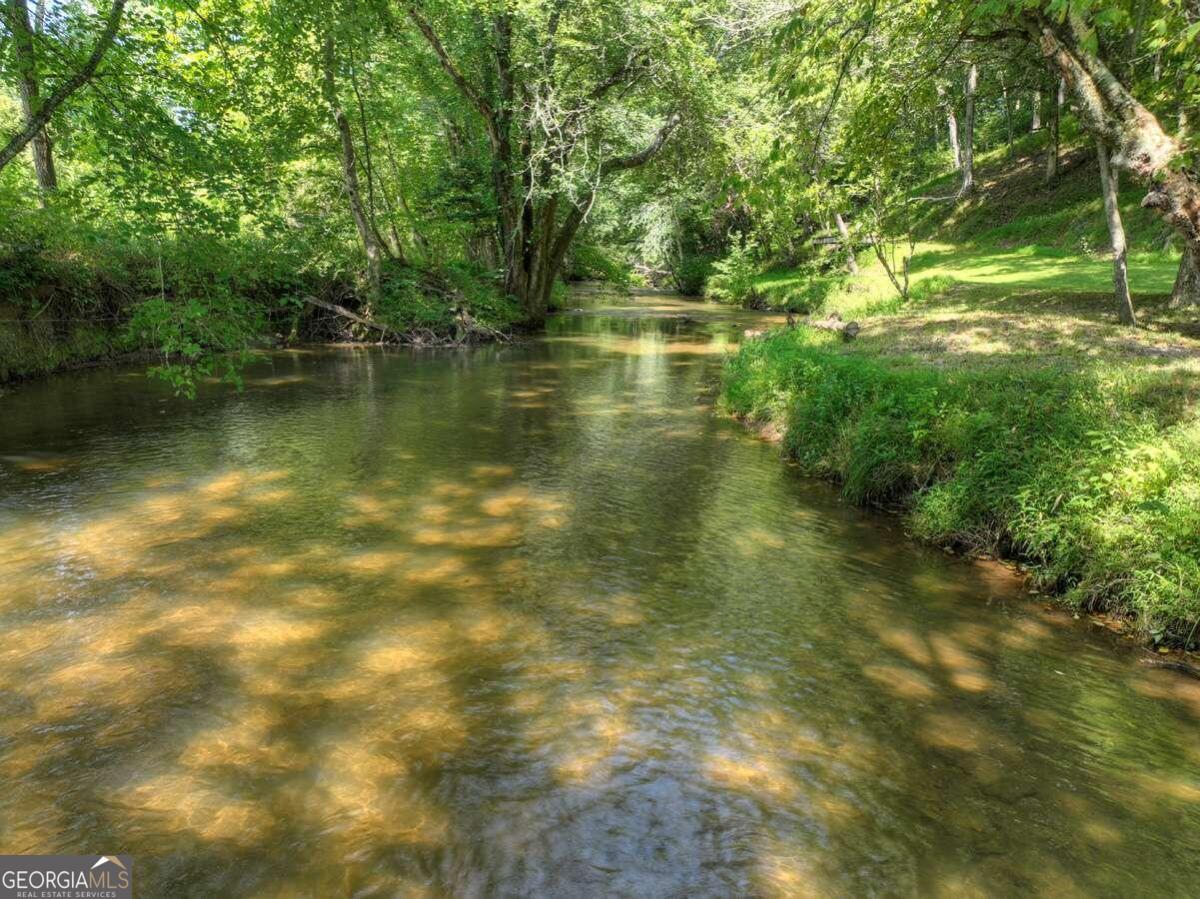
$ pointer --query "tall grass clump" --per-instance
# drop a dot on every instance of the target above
(1091, 476)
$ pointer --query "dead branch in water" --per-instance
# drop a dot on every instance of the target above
(353, 316)
(466, 327)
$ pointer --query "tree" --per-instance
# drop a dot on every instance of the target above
(1054, 131)
(556, 88)
(25, 64)
(40, 113)
(1114, 117)
(362, 222)
(1116, 232)
(952, 131)
(968, 140)
(847, 243)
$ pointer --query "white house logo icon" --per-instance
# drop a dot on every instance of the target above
(66, 877)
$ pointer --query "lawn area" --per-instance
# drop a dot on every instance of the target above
(1027, 277)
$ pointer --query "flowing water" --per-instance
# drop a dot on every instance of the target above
(532, 620)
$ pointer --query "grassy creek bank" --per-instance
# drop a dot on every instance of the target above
(1066, 444)
(1001, 408)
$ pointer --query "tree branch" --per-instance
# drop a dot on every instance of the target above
(633, 160)
(39, 121)
(473, 96)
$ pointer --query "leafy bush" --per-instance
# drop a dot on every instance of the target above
(590, 262)
(76, 291)
(732, 279)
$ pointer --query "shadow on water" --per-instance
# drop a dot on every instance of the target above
(532, 620)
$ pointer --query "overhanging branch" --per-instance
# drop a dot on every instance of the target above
(633, 160)
(39, 121)
(473, 96)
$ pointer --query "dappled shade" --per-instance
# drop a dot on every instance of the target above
(535, 626)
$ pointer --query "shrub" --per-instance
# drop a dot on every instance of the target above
(732, 278)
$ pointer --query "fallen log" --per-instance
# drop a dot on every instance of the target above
(354, 317)
(848, 330)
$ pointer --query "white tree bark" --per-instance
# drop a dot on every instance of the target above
(847, 245)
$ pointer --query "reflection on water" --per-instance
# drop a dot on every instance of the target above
(531, 620)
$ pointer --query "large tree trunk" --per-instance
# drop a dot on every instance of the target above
(1115, 118)
(37, 122)
(366, 232)
(968, 139)
(1116, 232)
(847, 244)
(26, 67)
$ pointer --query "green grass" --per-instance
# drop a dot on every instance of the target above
(1029, 270)
(1086, 468)
(1002, 408)
(1015, 235)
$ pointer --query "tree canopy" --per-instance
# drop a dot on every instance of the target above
(436, 162)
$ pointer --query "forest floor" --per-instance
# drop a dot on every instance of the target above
(1006, 412)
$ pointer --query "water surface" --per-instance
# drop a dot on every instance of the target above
(532, 620)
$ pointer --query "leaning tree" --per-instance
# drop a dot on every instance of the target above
(1135, 138)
